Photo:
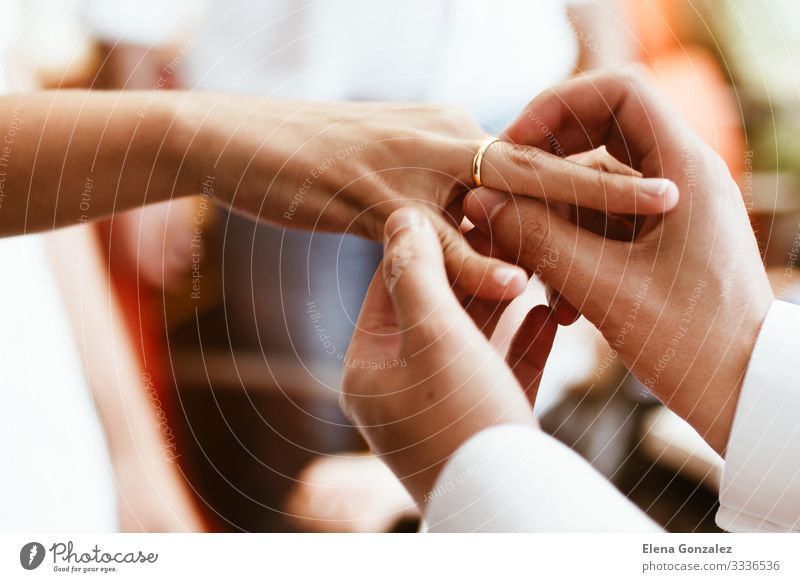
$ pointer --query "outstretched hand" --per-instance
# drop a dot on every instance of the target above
(347, 166)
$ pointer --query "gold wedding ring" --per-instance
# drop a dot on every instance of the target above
(476, 161)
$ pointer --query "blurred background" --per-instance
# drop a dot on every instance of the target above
(237, 331)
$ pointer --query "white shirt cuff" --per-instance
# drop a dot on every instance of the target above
(760, 490)
(514, 478)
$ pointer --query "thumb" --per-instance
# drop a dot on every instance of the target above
(573, 260)
(415, 276)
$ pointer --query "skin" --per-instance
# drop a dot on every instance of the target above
(74, 156)
(686, 292)
(420, 374)
(341, 167)
(684, 301)
(155, 240)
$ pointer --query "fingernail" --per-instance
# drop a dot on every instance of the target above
(657, 187)
(504, 275)
(402, 219)
(485, 201)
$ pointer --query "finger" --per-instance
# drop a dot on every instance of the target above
(534, 172)
(474, 273)
(625, 227)
(376, 335)
(376, 339)
(562, 254)
(600, 159)
(454, 211)
(620, 110)
(483, 244)
(415, 277)
(485, 314)
(562, 310)
(531, 347)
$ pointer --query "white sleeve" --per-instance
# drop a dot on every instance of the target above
(760, 490)
(513, 478)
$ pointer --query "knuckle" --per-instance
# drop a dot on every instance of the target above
(452, 245)
(635, 75)
(534, 235)
(457, 260)
(514, 165)
(640, 72)
(702, 159)
(714, 159)
(615, 76)
(521, 156)
(646, 250)
(615, 189)
(599, 182)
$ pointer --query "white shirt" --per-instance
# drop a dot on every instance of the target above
(516, 478)
(490, 58)
(760, 488)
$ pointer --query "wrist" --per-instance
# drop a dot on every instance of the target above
(243, 144)
(713, 412)
(432, 439)
(184, 114)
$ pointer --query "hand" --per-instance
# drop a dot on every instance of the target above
(347, 166)
(611, 225)
(329, 166)
(683, 302)
(420, 377)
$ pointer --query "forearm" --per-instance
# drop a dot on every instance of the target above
(72, 156)
(68, 157)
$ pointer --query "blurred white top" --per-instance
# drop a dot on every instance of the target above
(56, 473)
(488, 57)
